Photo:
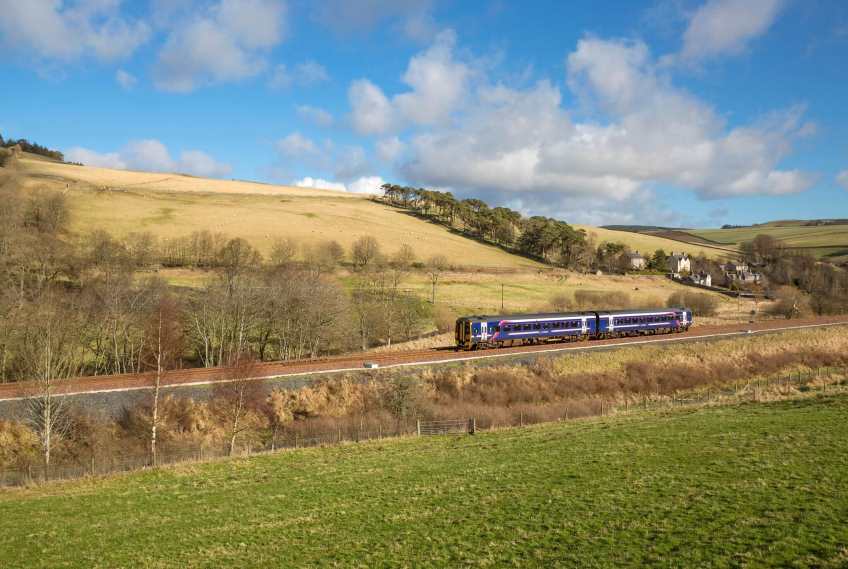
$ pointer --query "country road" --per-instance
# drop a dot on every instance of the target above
(436, 356)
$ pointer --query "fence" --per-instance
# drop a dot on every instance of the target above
(823, 379)
(447, 427)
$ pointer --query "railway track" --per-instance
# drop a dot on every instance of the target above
(350, 362)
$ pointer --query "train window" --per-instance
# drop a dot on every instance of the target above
(536, 326)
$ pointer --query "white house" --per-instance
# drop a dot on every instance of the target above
(637, 261)
(679, 263)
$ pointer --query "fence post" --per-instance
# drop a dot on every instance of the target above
(472, 426)
(419, 427)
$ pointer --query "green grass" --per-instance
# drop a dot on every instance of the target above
(751, 485)
(822, 240)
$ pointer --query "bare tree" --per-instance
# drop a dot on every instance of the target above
(164, 348)
(284, 251)
(51, 356)
(436, 265)
(364, 251)
(404, 256)
(237, 396)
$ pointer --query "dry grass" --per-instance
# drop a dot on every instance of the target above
(171, 206)
(647, 244)
(528, 291)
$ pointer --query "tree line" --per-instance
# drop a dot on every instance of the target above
(32, 148)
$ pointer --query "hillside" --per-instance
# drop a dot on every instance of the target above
(818, 240)
(760, 484)
(647, 243)
(173, 205)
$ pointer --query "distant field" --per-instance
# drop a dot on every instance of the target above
(473, 293)
(748, 485)
(821, 240)
(647, 244)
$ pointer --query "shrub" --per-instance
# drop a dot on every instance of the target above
(700, 304)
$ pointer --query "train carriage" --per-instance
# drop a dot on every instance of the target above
(475, 332)
(632, 322)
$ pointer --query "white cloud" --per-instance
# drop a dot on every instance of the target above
(296, 145)
(413, 18)
(92, 158)
(366, 185)
(842, 179)
(522, 144)
(53, 30)
(438, 83)
(315, 115)
(201, 164)
(304, 74)
(151, 155)
(319, 183)
(727, 26)
(371, 110)
(350, 162)
(126, 80)
(363, 185)
(226, 42)
(390, 149)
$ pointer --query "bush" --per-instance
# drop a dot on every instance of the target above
(560, 302)
(700, 304)
(444, 318)
(601, 300)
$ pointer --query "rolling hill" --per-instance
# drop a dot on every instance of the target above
(174, 205)
(818, 240)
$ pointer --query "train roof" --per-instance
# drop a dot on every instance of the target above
(566, 314)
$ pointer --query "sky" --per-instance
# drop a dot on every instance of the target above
(686, 113)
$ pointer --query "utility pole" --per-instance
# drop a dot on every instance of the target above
(502, 297)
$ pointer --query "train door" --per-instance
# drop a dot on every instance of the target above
(484, 331)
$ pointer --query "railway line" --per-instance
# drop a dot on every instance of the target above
(358, 361)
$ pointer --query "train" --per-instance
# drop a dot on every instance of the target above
(478, 332)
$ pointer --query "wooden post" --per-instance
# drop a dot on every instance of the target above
(472, 426)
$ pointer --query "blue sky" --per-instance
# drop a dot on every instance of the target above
(670, 112)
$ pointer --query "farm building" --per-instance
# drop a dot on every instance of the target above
(679, 263)
(637, 260)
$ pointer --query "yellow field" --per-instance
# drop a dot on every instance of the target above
(532, 291)
(174, 205)
(647, 244)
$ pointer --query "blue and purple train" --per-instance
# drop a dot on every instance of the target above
(475, 332)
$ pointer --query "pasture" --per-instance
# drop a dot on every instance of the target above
(818, 240)
(758, 484)
(529, 291)
(647, 244)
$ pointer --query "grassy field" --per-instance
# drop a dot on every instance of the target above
(821, 240)
(647, 244)
(476, 293)
(172, 205)
(748, 485)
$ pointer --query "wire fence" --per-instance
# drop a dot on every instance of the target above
(822, 380)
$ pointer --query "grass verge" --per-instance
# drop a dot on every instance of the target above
(751, 484)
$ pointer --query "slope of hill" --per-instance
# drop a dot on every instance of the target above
(174, 205)
(819, 240)
(648, 243)
(757, 484)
